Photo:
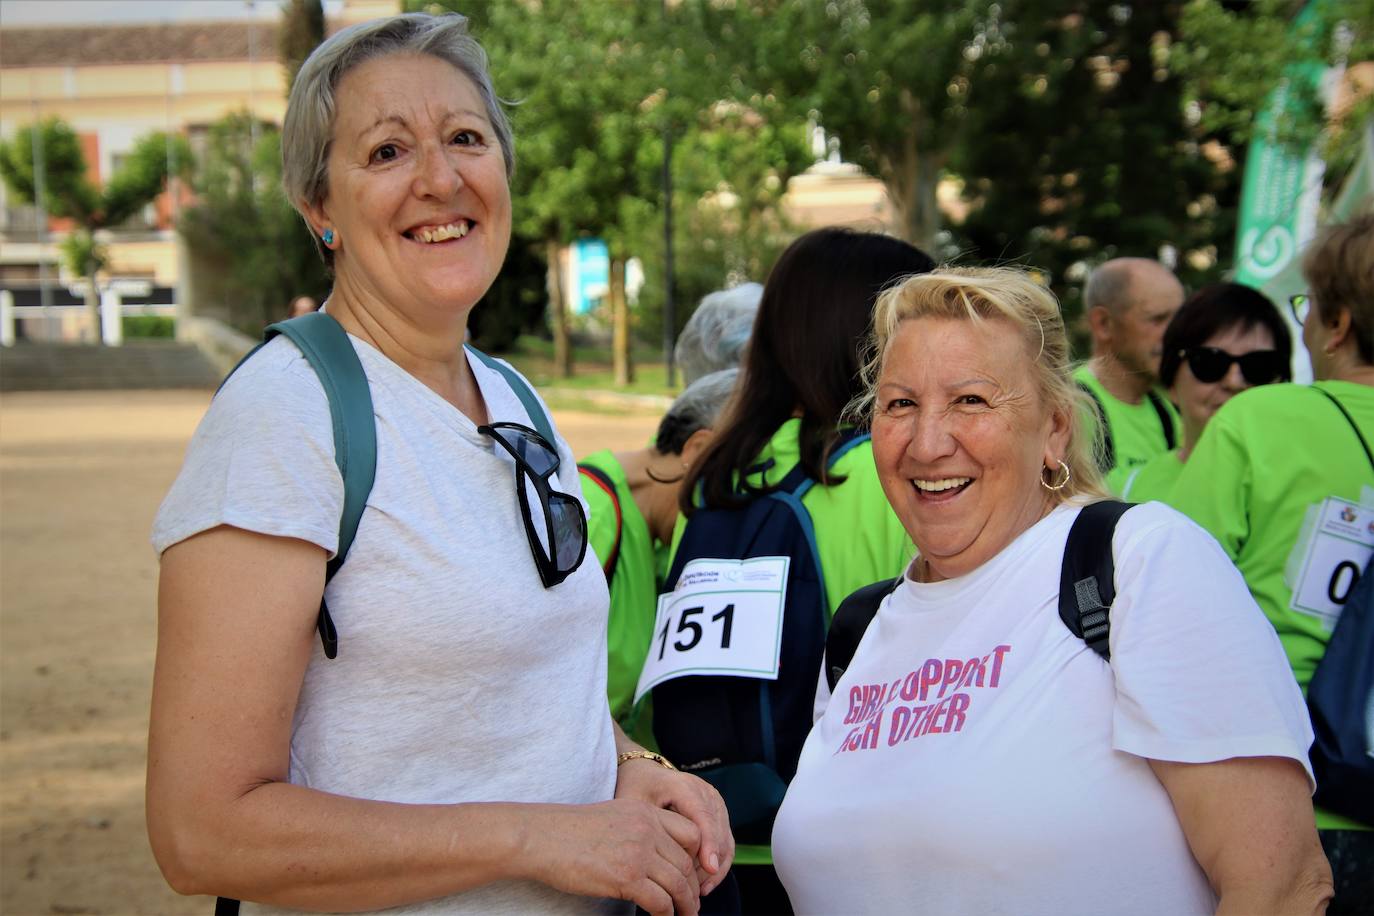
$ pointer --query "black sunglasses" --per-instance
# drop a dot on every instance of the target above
(564, 522)
(1259, 367)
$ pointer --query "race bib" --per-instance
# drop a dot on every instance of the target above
(1329, 558)
(724, 618)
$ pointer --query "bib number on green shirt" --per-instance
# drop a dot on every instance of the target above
(1326, 564)
(724, 618)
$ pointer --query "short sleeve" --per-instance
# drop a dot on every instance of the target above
(1200, 674)
(262, 458)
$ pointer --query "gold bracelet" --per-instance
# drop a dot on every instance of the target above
(645, 755)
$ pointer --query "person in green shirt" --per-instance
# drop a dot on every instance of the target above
(1226, 338)
(801, 371)
(1128, 303)
(632, 498)
(1272, 457)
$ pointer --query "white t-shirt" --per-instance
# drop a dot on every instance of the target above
(977, 757)
(459, 677)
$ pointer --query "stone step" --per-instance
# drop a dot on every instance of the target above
(29, 366)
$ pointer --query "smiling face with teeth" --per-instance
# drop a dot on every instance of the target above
(961, 435)
(417, 195)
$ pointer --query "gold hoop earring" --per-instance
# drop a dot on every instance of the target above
(1062, 484)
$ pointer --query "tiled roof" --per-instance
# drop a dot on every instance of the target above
(136, 44)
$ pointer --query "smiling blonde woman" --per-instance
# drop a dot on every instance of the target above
(1007, 767)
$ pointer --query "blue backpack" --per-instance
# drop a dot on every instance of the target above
(1340, 696)
(744, 735)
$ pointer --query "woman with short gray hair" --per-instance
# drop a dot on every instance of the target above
(457, 756)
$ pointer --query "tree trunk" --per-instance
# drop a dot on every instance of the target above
(558, 307)
(93, 306)
(620, 325)
(911, 180)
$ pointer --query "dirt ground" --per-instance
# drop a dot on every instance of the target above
(81, 475)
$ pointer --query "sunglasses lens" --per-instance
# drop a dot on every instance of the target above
(569, 531)
(1262, 367)
(531, 448)
(1208, 364)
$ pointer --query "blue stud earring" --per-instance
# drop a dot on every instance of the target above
(328, 236)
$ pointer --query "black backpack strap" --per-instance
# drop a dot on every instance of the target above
(849, 624)
(1349, 419)
(1104, 449)
(1087, 583)
(1166, 419)
(603, 480)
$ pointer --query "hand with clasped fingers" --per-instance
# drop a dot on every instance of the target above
(692, 798)
(624, 848)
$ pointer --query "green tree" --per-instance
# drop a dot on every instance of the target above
(1085, 150)
(69, 192)
(1232, 56)
(731, 169)
(242, 223)
(884, 80)
(302, 30)
(596, 85)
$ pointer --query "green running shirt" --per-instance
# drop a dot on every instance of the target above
(634, 594)
(1152, 480)
(1137, 435)
(1266, 456)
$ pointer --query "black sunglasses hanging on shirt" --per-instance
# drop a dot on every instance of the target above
(563, 520)
(1259, 367)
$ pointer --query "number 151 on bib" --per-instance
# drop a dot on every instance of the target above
(725, 618)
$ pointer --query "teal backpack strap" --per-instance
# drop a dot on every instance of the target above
(326, 346)
(522, 391)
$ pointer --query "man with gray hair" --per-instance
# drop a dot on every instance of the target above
(1128, 302)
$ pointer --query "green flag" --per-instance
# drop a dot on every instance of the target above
(1283, 169)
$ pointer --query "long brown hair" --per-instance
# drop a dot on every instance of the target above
(803, 356)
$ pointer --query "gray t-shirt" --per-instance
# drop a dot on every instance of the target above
(459, 677)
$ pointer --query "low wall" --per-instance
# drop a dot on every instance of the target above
(222, 344)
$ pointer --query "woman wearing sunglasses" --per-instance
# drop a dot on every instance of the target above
(1224, 339)
(1284, 469)
(458, 755)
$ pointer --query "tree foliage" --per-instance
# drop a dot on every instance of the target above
(885, 80)
(1084, 151)
(302, 31)
(68, 190)
(595, 86)
(242, 223)
(1233, 56)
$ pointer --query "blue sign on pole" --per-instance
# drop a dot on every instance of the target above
(591, 274)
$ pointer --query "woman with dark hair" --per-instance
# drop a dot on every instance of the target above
(801, 370)
(1224, 339)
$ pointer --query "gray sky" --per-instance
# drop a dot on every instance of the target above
(94, 12)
